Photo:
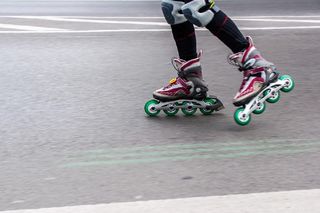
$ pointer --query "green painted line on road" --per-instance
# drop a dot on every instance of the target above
(268, 146)
(196, 145)
(263, 147)
(184, 158)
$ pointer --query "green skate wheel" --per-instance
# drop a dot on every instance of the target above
(149, 108)
(260, 109)
(290, 85)
(273, 99)
(171, 111)
(188, 108)
(208, 101)
(240, 118)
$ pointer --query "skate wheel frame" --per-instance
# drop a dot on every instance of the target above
(261, 107)
(188, 107)
(274, 98)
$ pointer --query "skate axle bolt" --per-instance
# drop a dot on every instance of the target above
(171, 107)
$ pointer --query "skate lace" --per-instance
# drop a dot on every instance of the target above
(233, 60)
(244, 80)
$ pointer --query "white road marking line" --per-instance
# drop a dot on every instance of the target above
(17, 202)
(85, 31)
(87, 17)
(280, 28)
(153, 17)
(25, 27)
(309, 16)
(131, 0)
(151, 30)
(99, 21)
(270, 202)
(49, 178)
(278, 20)
(164, 24)
(60, 19)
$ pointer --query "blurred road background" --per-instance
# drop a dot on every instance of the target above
(74, 79)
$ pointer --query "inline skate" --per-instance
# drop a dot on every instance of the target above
(261, 83)
(187, 92)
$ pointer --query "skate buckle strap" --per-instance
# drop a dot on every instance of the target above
(212, 3)
(173, 81)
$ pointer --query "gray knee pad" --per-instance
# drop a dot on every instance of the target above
(172, 11)
(192, 12)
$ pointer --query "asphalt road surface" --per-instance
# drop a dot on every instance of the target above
(74, 79)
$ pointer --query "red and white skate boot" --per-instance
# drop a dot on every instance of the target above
(258, 73)
(178, 88)
(188, 85)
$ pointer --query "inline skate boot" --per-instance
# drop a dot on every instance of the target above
(261, 82)
(187, 92)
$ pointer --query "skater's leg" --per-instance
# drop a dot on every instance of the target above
(182, 30)
(189, 83)
(225, 29)
(257, 72)
(204, 13)
(188, 91)
(185, 38)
